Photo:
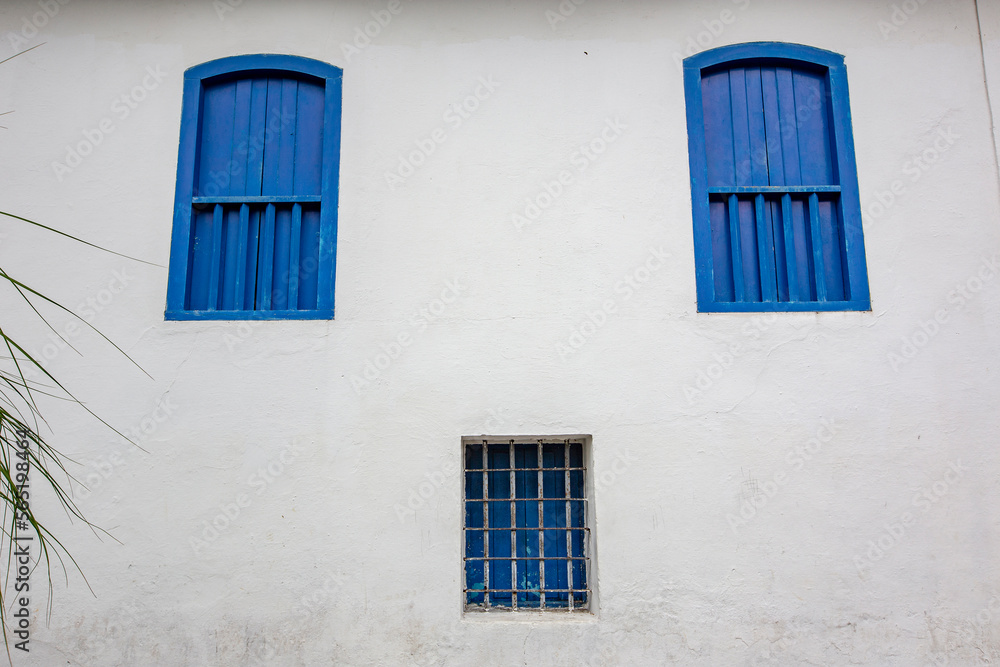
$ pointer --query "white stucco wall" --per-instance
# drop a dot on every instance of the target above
(989, 26)
(737, 528)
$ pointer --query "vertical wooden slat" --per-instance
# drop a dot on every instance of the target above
(772, 127)
(253, 259)
(813, 122)
(716, 261)
(256, 135)
(214, 274)
(739, 290)
(239, 284)
(241, 138)
(755, 127)
(741, 127)
(286, 131)
(817, 247)
(272, 142)
(281, 158)
(765, 253)
(201, 260)
(229, 251)
(794, 294)
(789, 126)
(772, 210)
(294, 244)
(308, 139)
(834, 263)
(215, 140)
(717, 118)
(265, 265)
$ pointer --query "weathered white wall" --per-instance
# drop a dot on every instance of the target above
(989, 26)
(736, 526)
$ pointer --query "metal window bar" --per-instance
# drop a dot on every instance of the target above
(569, 523)
(541, 524)
(486, 533)
(569, 597)
(513, 524)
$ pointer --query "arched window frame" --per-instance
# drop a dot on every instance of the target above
(794, 55)
(195, 80)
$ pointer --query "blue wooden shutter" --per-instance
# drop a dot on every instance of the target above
(255, 222)
(258, 192)
(772, 168)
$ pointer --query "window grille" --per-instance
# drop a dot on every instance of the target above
(527, 540)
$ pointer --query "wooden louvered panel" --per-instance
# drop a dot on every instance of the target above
(768, 134)
(256, 224)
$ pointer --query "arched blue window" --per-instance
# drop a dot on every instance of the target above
(777, 218)
(255, 219)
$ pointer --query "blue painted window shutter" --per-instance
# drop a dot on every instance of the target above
(777, 218)
(255, 220)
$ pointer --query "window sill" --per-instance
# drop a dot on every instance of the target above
(511, 616)
(248, 315)
(784, 307)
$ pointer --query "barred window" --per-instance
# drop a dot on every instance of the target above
(527, 541)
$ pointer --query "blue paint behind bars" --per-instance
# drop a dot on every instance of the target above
(526, 536)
